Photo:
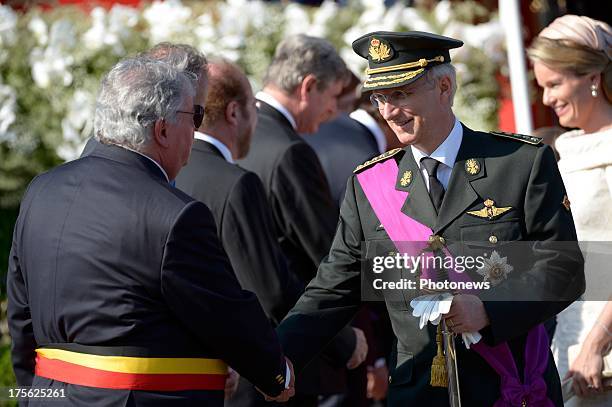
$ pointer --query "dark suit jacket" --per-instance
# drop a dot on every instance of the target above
(304, 217)
(106, 253)
(238, 203)
(341, 145)
(304, 213)
(513, 174)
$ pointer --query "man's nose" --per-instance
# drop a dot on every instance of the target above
(388, 111)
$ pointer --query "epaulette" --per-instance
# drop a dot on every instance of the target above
(376, 159)
(519, 137)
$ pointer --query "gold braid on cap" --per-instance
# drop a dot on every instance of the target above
(421, 63)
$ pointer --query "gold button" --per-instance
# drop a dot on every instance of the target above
(493, 239)
(442, 240)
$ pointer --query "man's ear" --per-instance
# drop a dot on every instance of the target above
(231, 113)
(160, 133)
(307, 86)
(445, 87)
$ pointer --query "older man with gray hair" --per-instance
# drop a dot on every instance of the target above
(119, 292)
(300, 92)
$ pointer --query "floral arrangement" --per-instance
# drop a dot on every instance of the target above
(51, 62)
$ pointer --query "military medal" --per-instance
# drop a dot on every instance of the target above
(495, 269)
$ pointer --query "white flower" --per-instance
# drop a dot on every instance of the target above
(323, 15)
(8, 26)
(394, 16)
(39, 28)
(168, 21)
(51, 65)
(413, 19)
(8, 30)
(443, 12)
(495, 268)
(121, 19)
(353, 61)
(8, 99)
(94, 38)
(297, 20)
(77, 126)
(62, 35)
(110, 29)
(205, 31)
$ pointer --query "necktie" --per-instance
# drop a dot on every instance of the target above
(436, 190)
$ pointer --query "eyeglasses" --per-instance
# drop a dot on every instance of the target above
(198, 115)
(398, 98)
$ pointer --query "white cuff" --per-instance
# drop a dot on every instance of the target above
(287, 376)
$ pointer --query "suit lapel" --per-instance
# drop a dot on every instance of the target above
(460, 194)
(418, 204)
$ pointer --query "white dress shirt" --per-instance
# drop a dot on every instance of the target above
(370, 123)
(225, 152)
(271, 100)
(446, 154)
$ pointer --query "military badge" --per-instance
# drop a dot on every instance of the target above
(495, 269)
(472, 166)
(406, 178)
(566, 203)
(490, 211)
(379, 51)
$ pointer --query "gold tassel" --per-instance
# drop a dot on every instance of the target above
(439, 375)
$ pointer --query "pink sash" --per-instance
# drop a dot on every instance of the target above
(378, 184)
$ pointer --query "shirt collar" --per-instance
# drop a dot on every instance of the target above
(156, 163)
(446, 153)
(370, 123)
(225, 152)
(272, 101)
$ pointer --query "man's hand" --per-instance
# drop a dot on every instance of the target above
(288, 392)
(231, 384)
(361, 350)
(467, 314)
(378, 382)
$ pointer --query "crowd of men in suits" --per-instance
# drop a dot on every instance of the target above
(154, 269)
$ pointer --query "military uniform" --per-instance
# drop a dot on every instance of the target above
(490, 172)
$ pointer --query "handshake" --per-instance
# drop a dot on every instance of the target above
(359, 354)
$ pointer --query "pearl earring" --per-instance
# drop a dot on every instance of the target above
(594, 91)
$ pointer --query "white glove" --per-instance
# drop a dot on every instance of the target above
(431, 308)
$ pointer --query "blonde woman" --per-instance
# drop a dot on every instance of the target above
(571, 59)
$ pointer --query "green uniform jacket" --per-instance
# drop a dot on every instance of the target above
(513, 172)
